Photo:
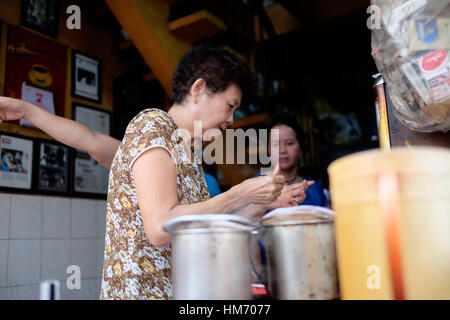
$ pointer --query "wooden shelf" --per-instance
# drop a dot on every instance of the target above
(237, 54)
(197, 27)
(126, 44)
(256, 120)
(149, 77)
(256, 150)
(172, 2)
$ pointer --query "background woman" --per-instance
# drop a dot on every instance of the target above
(286, 151)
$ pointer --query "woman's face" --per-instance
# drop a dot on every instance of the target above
(216, 110)
(286, 147)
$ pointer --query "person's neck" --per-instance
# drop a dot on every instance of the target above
(180, 114)
(290, 174)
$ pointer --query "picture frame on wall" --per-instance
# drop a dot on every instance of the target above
(86, 76)
(16, 170)
(43, 68)
(41, 16)
(90, 178)
(52, 168)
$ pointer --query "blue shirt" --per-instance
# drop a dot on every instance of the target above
(213, 185)
(315, 195)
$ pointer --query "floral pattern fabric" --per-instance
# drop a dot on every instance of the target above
(134, 268)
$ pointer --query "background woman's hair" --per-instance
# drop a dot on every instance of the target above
(290, 122)
(219, 68)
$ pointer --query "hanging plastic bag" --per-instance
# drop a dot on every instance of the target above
(412, 51)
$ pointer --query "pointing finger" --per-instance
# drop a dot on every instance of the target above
(277, 170)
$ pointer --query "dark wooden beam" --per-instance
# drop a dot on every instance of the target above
(304, 11)
(264, 19)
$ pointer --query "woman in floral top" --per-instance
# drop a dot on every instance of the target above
(153, 177)
(134, 268)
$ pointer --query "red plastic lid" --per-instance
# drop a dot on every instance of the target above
(258, 289)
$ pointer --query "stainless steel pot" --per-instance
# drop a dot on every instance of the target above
(211, 257)
(300, 250)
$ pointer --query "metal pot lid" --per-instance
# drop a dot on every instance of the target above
(298, 215)
(209, 222)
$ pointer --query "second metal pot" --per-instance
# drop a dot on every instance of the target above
(300, 251)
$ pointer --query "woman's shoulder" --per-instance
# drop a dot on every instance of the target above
(153, 120)
(150, 128)
(153, 114)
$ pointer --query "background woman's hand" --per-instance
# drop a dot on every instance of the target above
(286, 198)
(12, 109)
(299, 191)
(291, 195)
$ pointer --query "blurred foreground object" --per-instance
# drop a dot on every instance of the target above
(392, 223)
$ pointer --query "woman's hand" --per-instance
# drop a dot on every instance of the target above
(291, 195)
(299, 191)
(12, 109)
(264, 189)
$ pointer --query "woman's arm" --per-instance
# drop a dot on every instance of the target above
(101, 147)
(155, 180)
(74, 134)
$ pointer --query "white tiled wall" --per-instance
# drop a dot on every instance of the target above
(41, 236)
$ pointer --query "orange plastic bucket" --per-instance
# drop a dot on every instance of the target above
(393, 223)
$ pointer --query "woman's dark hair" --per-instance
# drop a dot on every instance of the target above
(290, 122)
(219, 68)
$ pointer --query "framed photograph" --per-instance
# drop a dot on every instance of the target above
(52, 168)
(16, 171)
(41, 15)
(86, 74)
(90, 178)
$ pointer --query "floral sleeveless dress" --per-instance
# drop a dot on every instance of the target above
(134, 268)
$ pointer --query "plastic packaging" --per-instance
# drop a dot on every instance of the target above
(411, 49)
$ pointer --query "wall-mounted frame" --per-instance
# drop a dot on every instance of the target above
(86, 77)
(16, 170)
(39, 62)
(90, 178)
(41, 15)
(52, 168)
